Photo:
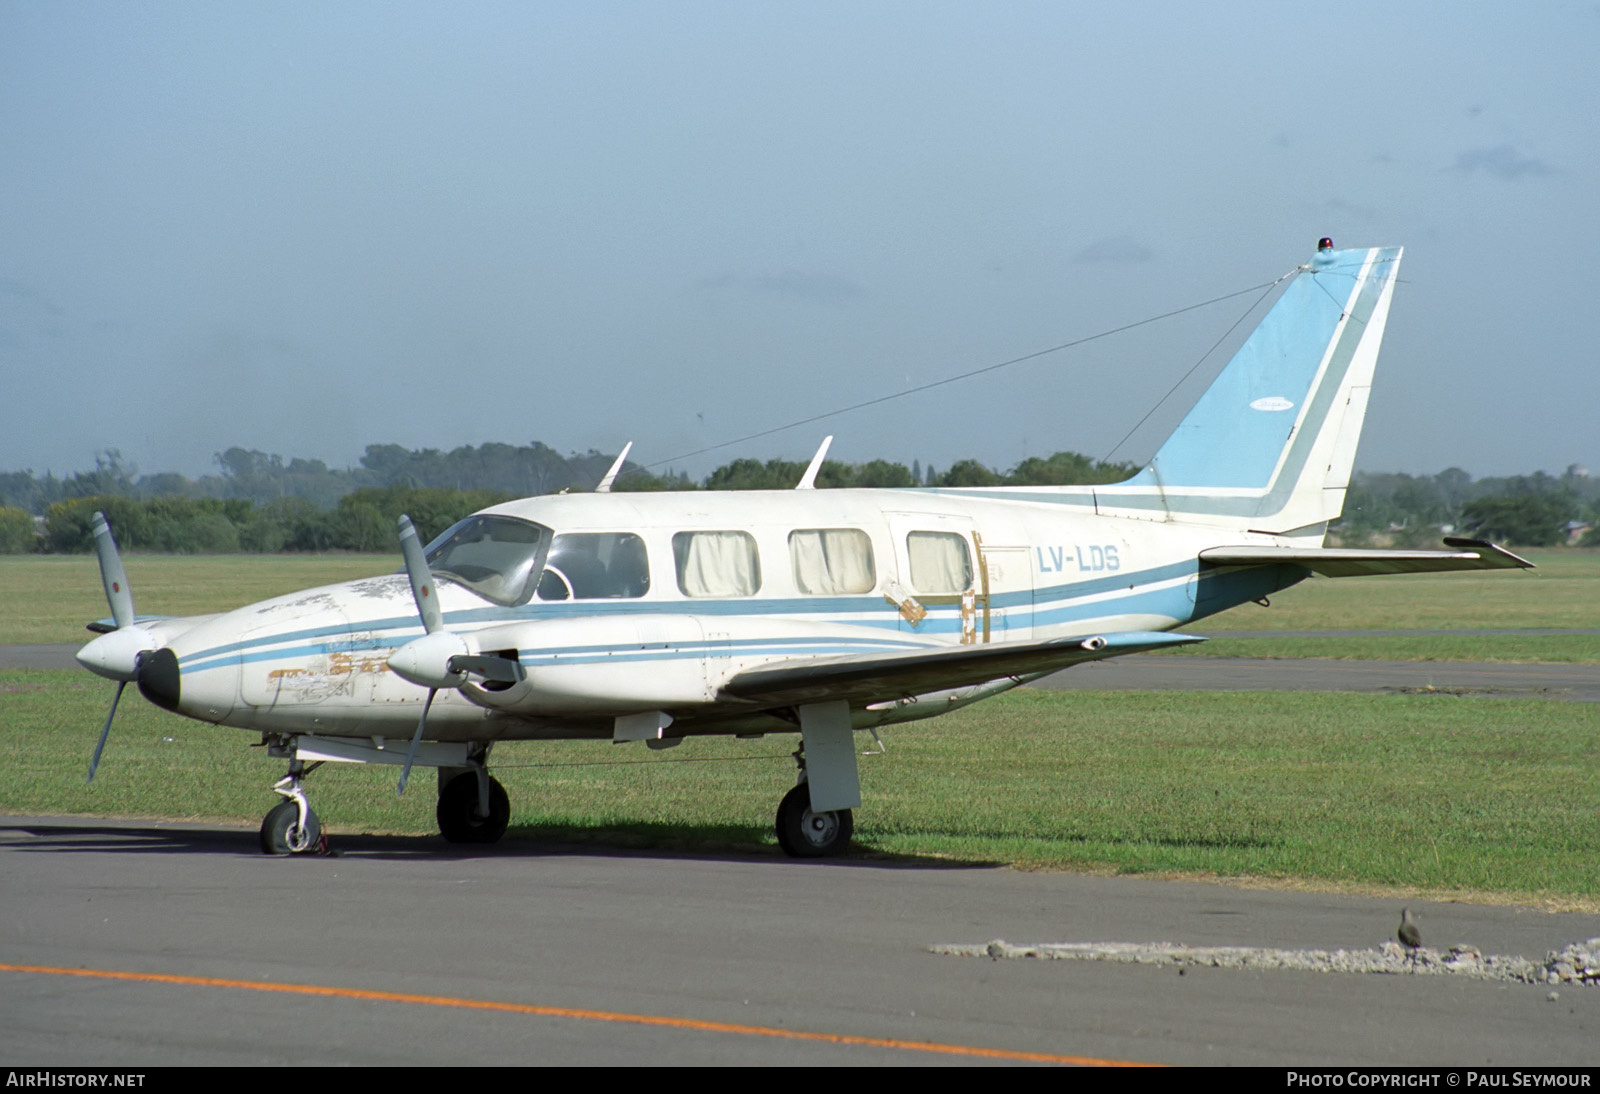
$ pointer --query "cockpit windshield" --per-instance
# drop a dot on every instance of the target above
(496, 557)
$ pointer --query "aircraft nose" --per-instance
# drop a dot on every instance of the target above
(158, 678)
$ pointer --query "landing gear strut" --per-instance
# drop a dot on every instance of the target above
(290, 827)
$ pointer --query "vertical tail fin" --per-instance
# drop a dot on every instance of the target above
(1270, 445)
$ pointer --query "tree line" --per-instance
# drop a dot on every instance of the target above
(259, 502)
(1538, 510)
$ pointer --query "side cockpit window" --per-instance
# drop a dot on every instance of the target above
(832, 561)
(717, 563)
(496, 557)
(595, 566)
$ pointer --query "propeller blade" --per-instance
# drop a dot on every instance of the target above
(416, 739)
(105, 731)
(422, 586)
(112, 575)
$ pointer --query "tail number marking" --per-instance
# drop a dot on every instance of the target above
(1085, 558)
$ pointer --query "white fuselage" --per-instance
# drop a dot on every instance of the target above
(928, 569)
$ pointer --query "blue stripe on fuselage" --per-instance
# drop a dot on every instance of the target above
(1137, 593)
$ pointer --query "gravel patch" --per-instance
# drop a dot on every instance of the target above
(1577, 963)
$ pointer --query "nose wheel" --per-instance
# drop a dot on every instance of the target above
(284, 832)
(290, 827)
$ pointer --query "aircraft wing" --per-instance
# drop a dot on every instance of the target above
(1472, 554)
(884, 676)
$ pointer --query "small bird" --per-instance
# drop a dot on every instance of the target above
(1409, 936)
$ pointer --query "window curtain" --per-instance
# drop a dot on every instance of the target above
(939, 562)
(717, 563)
(830, 561)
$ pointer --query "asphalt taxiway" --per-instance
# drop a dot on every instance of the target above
(131, 944)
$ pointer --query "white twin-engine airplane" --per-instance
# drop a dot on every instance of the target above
(657, 616)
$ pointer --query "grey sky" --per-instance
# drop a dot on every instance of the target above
(307, 227)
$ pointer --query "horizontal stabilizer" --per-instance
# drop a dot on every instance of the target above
(1341, 562)
(876, 677)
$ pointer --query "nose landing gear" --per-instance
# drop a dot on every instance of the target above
(291, 827)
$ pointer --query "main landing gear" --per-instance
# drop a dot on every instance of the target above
(807, 833)
(464, 816)
(804, 834)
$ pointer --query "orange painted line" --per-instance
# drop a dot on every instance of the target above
(570, 1012)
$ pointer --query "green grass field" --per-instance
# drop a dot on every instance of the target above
(49, 598)
(1479, 798)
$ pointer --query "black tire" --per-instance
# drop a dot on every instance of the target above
(458, 811)
(804, 834)
(281, 834)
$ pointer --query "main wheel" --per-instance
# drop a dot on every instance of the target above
(804, 834)
(458, 811)
(282, 834)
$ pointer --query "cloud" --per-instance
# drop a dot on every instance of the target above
(1115, 249)
(1501, 161)
(821, 288)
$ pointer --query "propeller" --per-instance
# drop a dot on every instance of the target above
(117, 654)
(440, 658)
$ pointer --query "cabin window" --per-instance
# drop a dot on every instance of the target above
(717, 563)
(831, 561)
(939, 562)
(595, 566)
(494, 556)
